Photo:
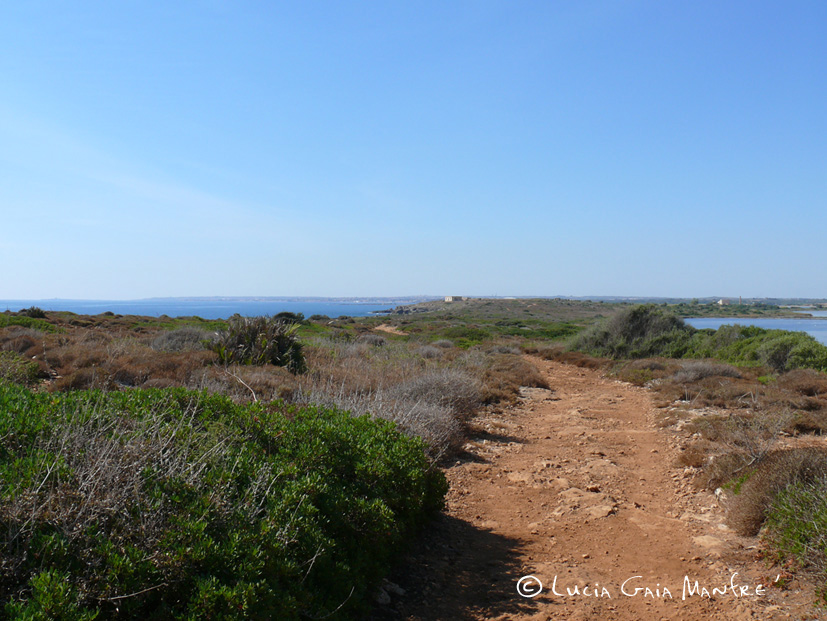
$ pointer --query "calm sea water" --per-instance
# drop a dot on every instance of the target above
(814, 327)
(206, 309)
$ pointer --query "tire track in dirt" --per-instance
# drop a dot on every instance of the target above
(578, 483)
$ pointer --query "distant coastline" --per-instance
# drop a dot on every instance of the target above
(220, 307)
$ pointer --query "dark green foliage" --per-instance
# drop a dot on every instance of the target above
(649, 331)
(261, 340)
(34, 312)
(748, 345)
(289, 317)
(195, 507)
(643, 331)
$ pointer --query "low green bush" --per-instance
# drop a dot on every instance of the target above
(796, 526)
(465, 336)
(7, 319)
(15, 368)
(171, 504)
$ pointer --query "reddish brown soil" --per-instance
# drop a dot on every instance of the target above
(579, 484)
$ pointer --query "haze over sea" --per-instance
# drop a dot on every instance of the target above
(214, 308)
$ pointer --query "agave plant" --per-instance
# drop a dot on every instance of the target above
(259, 341)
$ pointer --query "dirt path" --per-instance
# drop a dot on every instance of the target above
(578, 485)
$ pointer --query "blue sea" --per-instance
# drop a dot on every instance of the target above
(207, 308)
(814, 327)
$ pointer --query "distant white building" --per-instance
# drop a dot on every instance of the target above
(722, 302)
(454, 298)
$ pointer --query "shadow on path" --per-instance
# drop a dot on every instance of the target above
(457, 571)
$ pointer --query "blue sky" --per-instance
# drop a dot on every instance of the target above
(394, 148)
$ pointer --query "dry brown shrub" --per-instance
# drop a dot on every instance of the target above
(579, 359)
(695, 370)
(374, 340)
(25, 342)
(430, 352)
(503, 376)
(449, 388)
(693, 455)
(643, 371)
(505, 349)
(637, 376)
(752, 433)
(82, 379)
(186, 338)
(158, 382)
(808, 423)
(805, 382)
(748, 508)
(266, 382)
(723, 468)
(546, 352)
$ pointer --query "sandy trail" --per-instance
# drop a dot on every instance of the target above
(579, 484)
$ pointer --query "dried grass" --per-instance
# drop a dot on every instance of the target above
(749, 507)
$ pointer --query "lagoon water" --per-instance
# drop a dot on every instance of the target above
(204, 308)
(814, 327)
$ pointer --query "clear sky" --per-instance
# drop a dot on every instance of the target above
(641, 148)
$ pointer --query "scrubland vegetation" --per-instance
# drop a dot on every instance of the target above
(182, 468)
(253, 468)
(762, 444)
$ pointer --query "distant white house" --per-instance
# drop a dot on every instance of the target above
(454, 298)
(722, 302)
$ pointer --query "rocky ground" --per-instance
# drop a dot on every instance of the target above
(575, 497)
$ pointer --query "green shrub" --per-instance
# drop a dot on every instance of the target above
(289, 317)
(648, 330)
(796, 525)
(642, 331)
(27, 322)
(16, 368)
(179, 505)
(261, 340)
(466, 335)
